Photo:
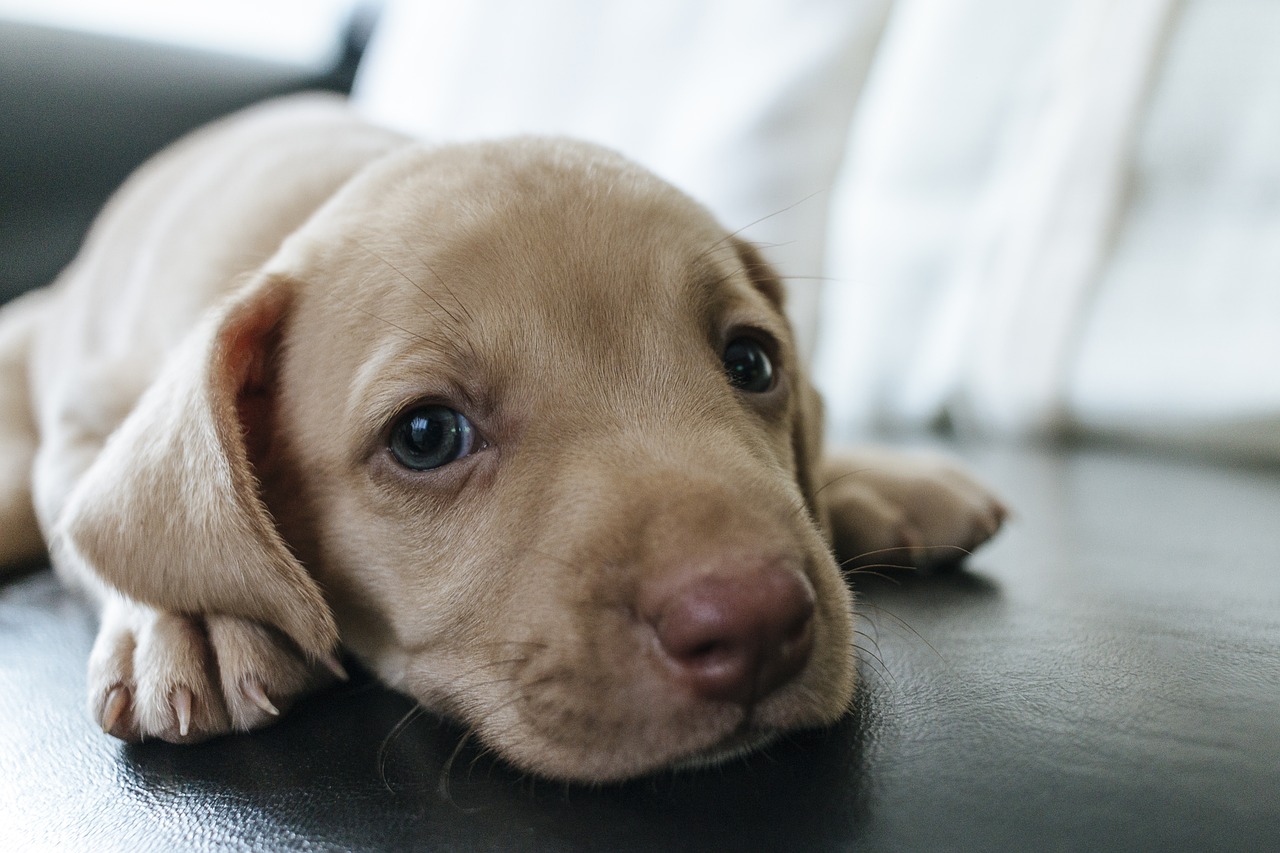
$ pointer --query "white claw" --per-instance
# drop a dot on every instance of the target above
(253, 691)
(182, 708)
(113, 707)
(332, 664)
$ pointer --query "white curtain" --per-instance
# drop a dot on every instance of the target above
(1064, 216)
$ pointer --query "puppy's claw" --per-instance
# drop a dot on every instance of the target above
(113, 707)
(253, 692)
(182, 708)
(332, 664)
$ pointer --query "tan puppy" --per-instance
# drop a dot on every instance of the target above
(517, 422)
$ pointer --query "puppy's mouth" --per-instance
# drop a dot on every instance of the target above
(741, 742)
(718, 668)
(570, 735)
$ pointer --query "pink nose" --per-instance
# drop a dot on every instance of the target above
(736, 637)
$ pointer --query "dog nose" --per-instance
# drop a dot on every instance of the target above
(736, 637)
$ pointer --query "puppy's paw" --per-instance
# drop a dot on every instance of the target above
(895, 508)
(185, 679)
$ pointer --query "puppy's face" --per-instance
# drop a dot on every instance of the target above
(537, 429)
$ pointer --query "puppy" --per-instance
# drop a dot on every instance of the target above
(517, 423)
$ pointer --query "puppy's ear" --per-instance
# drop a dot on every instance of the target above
(807, 408)
(807, 444)
(170, 512)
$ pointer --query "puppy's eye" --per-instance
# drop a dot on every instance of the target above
(431, 436)
(748, 366)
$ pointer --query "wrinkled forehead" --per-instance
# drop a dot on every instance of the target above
(508, 255)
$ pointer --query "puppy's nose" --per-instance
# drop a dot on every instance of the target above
(736, 637)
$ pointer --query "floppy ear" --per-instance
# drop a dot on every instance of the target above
(807, 444)
(807, 408)
(170, 512)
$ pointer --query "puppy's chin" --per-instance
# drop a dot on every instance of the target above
(642, 759)
(657, 742)
(737, 745)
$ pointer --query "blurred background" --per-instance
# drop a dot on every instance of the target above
(999, 219)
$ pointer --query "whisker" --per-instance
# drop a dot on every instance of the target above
(876, 663)
(853, 570)
(879, 668)
(439, 279)
(446, 770)
(385, 748)
(898, 620)
(865, 570)
(875, 645)
(482, 752)
(471, 347)
(964, 552)
(454, 317)
(823, 278)
(333, 295)
(768, 216)
(846, 475)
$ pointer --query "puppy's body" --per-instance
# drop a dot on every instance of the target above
(623, 567)
(187, 228)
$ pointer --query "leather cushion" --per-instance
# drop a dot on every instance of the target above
(1105, 677)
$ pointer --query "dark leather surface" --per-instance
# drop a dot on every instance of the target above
(78, 112)
(1105, 677)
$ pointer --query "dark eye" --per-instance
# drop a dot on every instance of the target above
(748, 366)
(430, 437)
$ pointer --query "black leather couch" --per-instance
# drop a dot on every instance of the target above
(1106, 676)
(79, 112)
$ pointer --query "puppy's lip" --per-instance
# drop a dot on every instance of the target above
(737, 744)
(749, 736)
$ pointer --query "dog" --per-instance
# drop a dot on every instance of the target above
(517, 423)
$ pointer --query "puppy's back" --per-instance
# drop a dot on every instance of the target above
(192, 221)
(185, 229)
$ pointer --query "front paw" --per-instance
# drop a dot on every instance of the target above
(893, 508)
(184, 679)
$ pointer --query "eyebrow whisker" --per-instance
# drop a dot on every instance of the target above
(418, 287)
(332, 293)
(440, 280)
(732, 234)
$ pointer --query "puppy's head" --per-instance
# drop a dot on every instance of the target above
(534, 424)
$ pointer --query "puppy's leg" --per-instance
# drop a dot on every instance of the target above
(904, 508)
(181, 679)
(159, 674)
(20, 539)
